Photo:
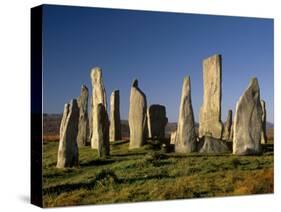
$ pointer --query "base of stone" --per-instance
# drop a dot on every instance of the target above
(211, 145)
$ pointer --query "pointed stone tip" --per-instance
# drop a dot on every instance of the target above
(135, 83)
(254, 82)
(96, 72)
(187, 77)
(84, 87)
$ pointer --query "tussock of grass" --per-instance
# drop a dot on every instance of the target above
(149, 173)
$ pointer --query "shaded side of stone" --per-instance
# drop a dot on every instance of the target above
(115, 122)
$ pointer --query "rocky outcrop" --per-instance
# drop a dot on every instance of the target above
(211, 145)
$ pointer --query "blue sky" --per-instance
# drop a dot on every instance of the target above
(158, 49)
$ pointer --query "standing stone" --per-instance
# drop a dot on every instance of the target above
(156, 121)
(99, 97)
(68, 149)
(173, 137)
(83, 126)
(91, 121)
(210, 112)
(231, 133)
(227, 127)
(263, 132)
(137, 116)
(186, 136)
(248, 122)
(115, 122)
(102, 126)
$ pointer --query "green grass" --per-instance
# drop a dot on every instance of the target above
(149, 173)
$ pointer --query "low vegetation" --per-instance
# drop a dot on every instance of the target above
(150, 173)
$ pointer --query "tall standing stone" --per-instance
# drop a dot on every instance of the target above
(99, 97)
(210, 112)
(156, 121)
(68, 149)
(115, 122)
(83, 126)
(137, 116)
(263, 132)
(102, 126)
(186, 136)
(248, 121)
(227, 127)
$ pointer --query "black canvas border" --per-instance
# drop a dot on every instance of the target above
(36, 105)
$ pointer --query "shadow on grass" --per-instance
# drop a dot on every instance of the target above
(128, 154)
(98, 162)
(103, 177)
(116, 143)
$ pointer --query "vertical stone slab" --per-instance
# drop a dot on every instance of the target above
(137, 116)
(102, 125)
(115, 122)
(210, 111)
(248, 122)
(186, 136)
(68, 149)
(263, 132)
(156, 121)
(231, 133)
(98, 97)
(83, 126)
(173, 137)
(227, 127)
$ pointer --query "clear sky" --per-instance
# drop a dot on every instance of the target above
(158, 49)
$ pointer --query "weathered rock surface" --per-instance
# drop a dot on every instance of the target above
(115, 122)
(99, 97)
(210, 112)
(173, 137)
(68, 149)
(102, 125)
(91, 121)
(211, 145)
(227, 127)
(156, 121)
(248, 122)
(83, 125)
(263, 132)
(137, 116)
(231, 133)
(186, 136)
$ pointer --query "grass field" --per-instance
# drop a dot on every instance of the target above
(149, 174)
